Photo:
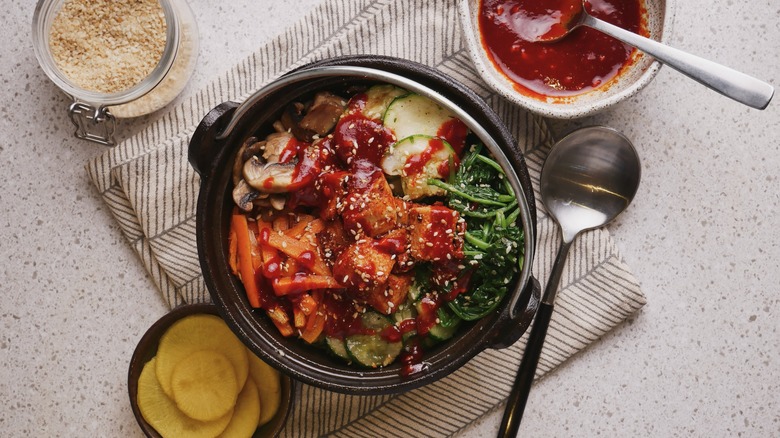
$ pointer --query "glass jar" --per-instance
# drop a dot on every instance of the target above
(94, 113)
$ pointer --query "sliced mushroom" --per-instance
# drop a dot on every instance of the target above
(249, 148)
(269, 177)
(278, 201)
(291, 118)
(255, 148)
(279, 126)
(244, 195)
(323, 114)
(275, 144)
(238, 163)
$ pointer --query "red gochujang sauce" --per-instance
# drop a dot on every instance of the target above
(579, 62)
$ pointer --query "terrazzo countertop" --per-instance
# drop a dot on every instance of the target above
(701, 359)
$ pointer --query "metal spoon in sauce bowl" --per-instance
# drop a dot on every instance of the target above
(588, 179)
(726, 81)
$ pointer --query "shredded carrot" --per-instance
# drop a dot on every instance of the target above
(292, 267)
(299, 318)
(267, 252)
(302, 283)
(257, 260)
(314, 325)
(307, 304)
(281, 223)
(314, 226)
(233, 252)
(296, 248)
(310, 238)
(281, 320)
(316, 320)
(245, 268)
(303, 217)
(262, 224)
(297, 230)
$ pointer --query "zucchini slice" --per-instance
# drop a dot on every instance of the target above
(379, 97)
(373, 350)
(417, 159)
(375, 321)
(405, 311)
(420, 286)
(433, 150)
(338, 347)
(441, 333)
(414, 114)
(446, 326)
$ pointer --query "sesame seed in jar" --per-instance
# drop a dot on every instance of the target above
(108, 46)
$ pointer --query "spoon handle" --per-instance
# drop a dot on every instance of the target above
(515, 404)
(731, 83)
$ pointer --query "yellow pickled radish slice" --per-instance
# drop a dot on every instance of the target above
(246, 414)
(162, 414)
(199, 332)
(204, 385)
(268, 385)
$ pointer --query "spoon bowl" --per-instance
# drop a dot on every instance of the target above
(588, 179)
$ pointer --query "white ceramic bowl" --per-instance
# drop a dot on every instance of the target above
(660, 15)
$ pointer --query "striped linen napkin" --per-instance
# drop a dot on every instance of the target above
(152, 191)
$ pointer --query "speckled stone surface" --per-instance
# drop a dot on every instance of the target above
(701, 359)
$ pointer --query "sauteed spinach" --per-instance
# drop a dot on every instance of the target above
(481, 192)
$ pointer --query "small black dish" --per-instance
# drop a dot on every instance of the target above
(147, 349)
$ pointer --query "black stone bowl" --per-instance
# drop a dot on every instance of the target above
(211, 152)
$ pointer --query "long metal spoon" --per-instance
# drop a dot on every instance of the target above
(726, 81)
(588, 179)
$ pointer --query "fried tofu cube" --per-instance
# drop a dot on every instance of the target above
(435, 233)
(387, 297)
(402, 210)
(332, 240)
(416, 186)
(362, 267)
(396, 243)
(333, 188)
(372, 209)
